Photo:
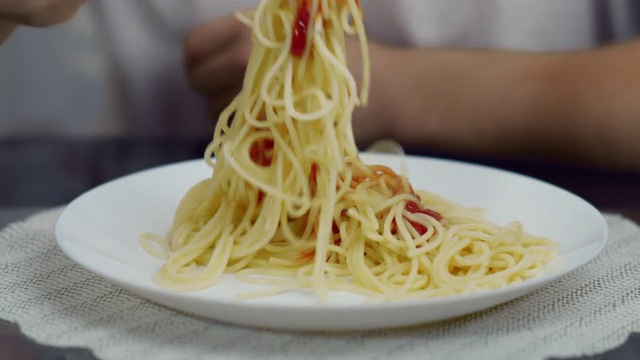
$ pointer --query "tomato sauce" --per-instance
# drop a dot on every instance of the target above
(261, 151)
(300, 29)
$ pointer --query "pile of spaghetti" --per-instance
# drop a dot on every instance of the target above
(290, 203)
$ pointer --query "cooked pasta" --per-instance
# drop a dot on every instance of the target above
(291, 205)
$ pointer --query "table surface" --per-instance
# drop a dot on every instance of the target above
(73, 166)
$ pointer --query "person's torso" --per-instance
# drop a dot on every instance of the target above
(146, 80)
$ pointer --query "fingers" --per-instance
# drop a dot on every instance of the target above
(213, 37)
(216, 58)
(221, 99)
(39, 13)
(220, 71)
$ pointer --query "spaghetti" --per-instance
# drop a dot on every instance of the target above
(290, 204)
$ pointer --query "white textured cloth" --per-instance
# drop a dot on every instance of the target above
(56, 302)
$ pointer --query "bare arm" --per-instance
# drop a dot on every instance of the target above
(582, 106)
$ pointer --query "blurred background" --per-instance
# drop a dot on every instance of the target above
(81, 104)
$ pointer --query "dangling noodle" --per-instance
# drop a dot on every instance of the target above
(291, 205)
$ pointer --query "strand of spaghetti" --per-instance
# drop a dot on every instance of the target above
(244, 223)
(364, 49)
(245, 17)
(340, 68)
(296, 165)
(432, 244)
(289, 196)
(262, 232)
(361, 272)
(150, 242)
(324, 231)
(195, 280)
(304, 59)
(270, 75)
(239, 264)
(264, 187)
(257, 26)
(201, 241)
(325, 108)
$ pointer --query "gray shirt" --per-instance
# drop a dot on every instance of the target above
(116, 69)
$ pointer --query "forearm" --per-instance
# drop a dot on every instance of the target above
(590, 104)
(578, 106)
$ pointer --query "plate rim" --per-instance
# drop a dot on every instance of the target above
(524, 287)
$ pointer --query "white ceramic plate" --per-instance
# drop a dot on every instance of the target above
(99, 230)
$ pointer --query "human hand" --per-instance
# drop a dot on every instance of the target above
(217, 54)
(216, 57)
(38, 13)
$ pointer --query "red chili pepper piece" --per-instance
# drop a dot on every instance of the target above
(307, 255)
(335, 228)
(414, 208)
(300, 28)
(261, 151)
(313, 179)
(421, 229)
